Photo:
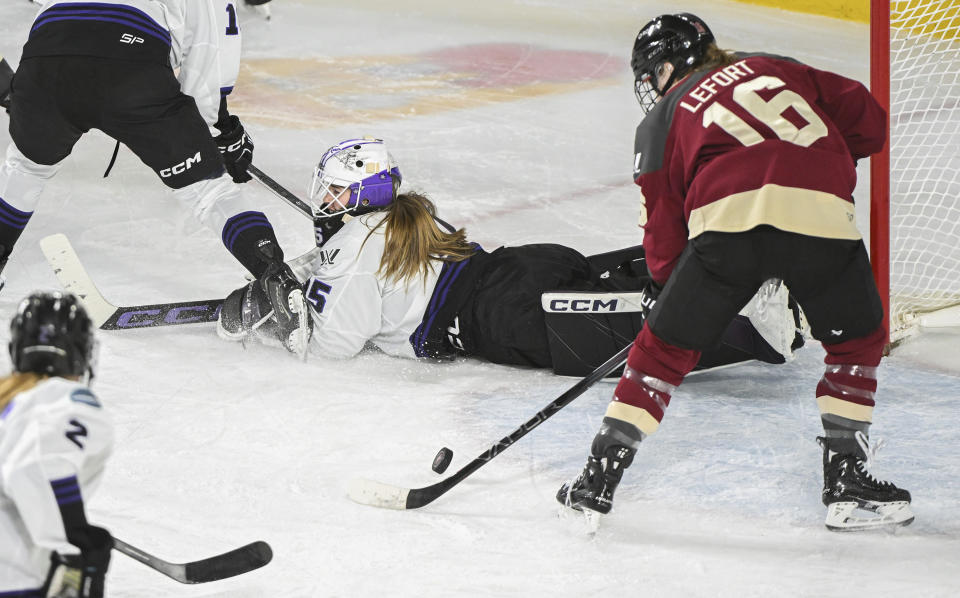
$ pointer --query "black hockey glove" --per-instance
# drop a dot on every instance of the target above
(648, 297)
(236, 146)
(81, 576)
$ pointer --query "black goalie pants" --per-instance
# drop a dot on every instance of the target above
(503, 321)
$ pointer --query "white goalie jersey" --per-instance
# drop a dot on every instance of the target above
(352, 304)
(204, 44)
(54, 441)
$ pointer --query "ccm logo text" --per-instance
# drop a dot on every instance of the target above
(181, 167)
(591, 305)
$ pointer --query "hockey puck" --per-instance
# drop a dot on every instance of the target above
(442, 460)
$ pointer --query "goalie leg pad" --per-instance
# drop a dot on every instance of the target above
(586, 329)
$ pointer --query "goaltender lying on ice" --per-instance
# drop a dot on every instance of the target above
(387, 272)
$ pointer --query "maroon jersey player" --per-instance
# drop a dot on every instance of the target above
(746, 164)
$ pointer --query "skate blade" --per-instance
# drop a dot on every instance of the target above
(582, 523)
(850, 517)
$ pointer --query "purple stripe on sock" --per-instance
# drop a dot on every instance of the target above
(241, 222)
(12, 216)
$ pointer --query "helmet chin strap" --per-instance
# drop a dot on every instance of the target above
(670, 80)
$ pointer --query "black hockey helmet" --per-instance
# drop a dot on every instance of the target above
(679, 39)
(51, 334)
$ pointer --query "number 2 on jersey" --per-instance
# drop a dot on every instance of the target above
(769, 113)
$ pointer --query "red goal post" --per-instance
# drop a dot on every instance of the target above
(915, 181)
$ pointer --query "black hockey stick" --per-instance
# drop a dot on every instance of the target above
(378, 494)
(229, 564)
(107, 316)
(280, 191)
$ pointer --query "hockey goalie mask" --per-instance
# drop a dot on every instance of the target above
(680, 40)
(355, 176)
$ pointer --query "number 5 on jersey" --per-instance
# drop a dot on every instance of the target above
(317, 294)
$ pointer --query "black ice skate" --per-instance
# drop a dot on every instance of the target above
(855, 499)
(594, 489)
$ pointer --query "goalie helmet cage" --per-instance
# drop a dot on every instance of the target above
(915, 181)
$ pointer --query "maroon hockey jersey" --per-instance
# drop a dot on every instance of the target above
(764, 141)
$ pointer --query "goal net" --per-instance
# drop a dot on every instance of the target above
(922, 232)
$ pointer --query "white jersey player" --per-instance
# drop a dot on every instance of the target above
(155, 76)
(388, 273)
(54, 440)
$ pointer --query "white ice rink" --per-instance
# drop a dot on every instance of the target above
(517, 117)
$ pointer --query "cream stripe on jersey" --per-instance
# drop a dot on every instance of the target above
(803, 211)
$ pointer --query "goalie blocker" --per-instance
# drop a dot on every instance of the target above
(585, 328)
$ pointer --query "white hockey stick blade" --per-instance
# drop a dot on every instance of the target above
(74, 278)
(849, 517)
(378, 494)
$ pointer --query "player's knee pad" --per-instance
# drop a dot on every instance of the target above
(22, 180)
(213, 201)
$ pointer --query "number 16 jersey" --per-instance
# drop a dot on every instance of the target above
(763, 141)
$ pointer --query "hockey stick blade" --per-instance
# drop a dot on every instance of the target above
(387, 496)
(104, 314)
(229, 564)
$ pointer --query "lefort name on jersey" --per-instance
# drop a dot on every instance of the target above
(707, 88)
(180, 167)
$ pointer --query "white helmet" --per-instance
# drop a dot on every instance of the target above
(362, 166)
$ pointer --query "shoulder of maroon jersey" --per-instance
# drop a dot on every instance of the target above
(746, 55)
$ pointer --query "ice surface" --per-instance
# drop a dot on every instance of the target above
(517, 117)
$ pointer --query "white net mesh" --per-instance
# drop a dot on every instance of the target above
(924, 158)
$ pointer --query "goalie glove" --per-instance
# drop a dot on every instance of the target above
(236, 147)
(81, 575)
(271, 309)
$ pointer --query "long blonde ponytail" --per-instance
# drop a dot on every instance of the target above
(413, 239)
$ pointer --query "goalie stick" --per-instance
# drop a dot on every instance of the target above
(387, 496)
(107, 316)
(229, 564)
